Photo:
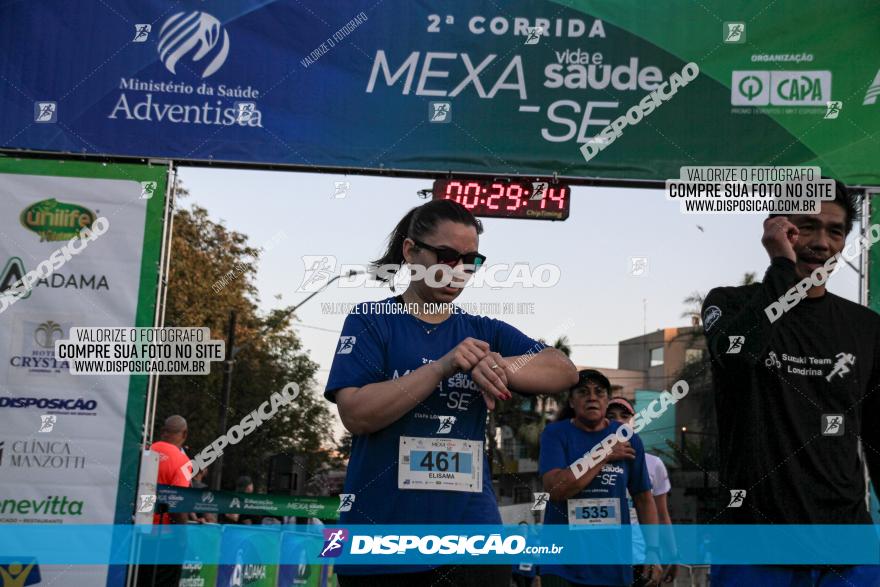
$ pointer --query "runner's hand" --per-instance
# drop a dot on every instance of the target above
(670, 574)
(464, 357)
(779, 237)
(492, 382)
(651, 574)
(656, 572)
(621, 451)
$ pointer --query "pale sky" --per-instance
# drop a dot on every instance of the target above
(593, 250)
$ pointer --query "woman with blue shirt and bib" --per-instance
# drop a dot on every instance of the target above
(413, 377)
(596, 500)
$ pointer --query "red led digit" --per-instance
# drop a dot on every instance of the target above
(559, 199)
(449, 195)
(489, 204)
(515, 196)
(470, 205)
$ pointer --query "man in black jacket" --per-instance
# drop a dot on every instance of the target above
(796, 371)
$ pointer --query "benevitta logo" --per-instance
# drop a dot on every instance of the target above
(19, 573)
(56, 221)
(780, 88)
(196, 31)
(53, 505)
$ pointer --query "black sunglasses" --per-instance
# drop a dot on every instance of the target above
(451, 257)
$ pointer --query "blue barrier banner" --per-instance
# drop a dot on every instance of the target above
(403, 544)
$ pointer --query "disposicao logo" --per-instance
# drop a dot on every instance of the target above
(333, 541)
(199, 31)
(56, 221)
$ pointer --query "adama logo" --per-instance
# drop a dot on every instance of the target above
(56, 221)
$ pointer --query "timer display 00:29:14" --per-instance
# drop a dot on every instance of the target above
(500, 199)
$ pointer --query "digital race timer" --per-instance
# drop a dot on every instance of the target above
(517, 198)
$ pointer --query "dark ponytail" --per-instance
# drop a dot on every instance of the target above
(418, 223)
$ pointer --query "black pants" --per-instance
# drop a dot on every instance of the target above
(447, 576)
(557, 581)
(159, 575)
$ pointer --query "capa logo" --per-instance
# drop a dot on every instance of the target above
(199, 31)
(807, 88)
(780, 88)
(56, 221)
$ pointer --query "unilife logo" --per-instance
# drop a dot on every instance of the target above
(184, 32)
(55, 221)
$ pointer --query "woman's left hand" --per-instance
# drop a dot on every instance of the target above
(490, 375)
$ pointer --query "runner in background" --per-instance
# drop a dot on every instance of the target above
(597, 499)
(409, 370)
(172, 460)
(526, 575)
(620, 410)
(795, 395)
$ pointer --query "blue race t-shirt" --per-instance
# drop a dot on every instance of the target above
(601, 504)
(381, 344)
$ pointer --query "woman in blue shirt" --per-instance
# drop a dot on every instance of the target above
(596, 499)
(411, 371)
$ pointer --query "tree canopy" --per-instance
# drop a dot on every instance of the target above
(213, 269)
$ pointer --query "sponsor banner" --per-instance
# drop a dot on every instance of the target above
(186, 499)
(874, 252)
(251, 551)
(295, 546)
(473, 86)
(254, 553)
(196, 573)
(62, 459)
